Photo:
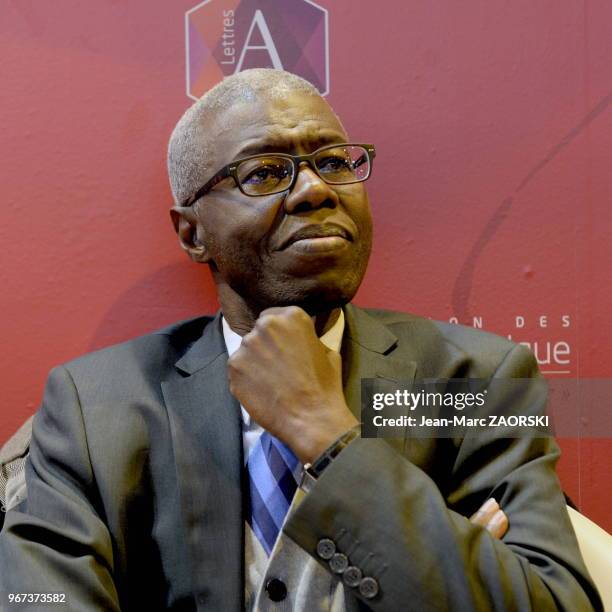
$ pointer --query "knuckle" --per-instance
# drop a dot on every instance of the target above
(271, 311)
(297, 313)
(265, 318)
(248, 340)
(267, 322)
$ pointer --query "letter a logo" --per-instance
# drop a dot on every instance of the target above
(224, 37)
(260, 21)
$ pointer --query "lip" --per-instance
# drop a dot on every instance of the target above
(318, 237)
(319, 245)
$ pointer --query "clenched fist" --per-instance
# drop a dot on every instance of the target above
(290, 382)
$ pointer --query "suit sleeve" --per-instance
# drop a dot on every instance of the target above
(55, 541)
(392, 521)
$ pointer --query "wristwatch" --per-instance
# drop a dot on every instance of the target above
(312, 471)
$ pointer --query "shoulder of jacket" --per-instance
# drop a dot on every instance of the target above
(165, 345)
(434, 336)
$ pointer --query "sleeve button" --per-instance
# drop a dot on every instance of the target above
(326, 549)
(338, 563)
(368, 587)
(352, 576)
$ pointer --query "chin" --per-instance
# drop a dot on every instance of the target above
(314, 306)
(317, 299)
(316, 294)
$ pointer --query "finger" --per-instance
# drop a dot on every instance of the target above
(275, 310)
(291, 312)
(498, 525)
(485, 513)
(282, 310)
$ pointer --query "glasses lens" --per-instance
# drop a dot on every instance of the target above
(263, 175)
(343, 164)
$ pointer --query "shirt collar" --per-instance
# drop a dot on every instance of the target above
(332, 339)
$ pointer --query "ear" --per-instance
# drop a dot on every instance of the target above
(185, 224)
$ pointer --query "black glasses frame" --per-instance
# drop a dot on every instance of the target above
(231, 170)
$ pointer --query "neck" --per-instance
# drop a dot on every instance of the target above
(241, 315)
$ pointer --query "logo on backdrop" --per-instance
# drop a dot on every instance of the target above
(226, 36)
(549, 337)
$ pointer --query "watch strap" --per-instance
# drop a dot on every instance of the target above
(312, 471)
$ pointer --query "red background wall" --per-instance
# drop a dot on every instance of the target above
(491, 194)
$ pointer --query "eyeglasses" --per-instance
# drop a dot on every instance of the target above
(270, 173)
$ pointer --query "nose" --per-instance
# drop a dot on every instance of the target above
(310, 191)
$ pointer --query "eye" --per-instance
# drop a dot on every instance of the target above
(265, 174)
(335, 164)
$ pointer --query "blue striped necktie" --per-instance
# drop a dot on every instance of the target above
(272, 483)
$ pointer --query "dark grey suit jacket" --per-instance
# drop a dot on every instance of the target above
(135, 496)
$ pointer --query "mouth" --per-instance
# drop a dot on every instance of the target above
(318, 238)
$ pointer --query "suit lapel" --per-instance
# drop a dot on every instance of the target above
(368, 351)
(207, 443)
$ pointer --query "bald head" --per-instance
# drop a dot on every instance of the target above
(191, 146)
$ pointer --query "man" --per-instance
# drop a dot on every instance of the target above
(161, 470)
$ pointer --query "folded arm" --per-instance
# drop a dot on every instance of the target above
(394, 524)
(56, 540)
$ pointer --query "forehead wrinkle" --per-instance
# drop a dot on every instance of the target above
(283, 142)
(276, 118)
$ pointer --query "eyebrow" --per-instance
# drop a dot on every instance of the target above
(278, 146)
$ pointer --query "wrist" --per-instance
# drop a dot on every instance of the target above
(314, 444)
(312, 471)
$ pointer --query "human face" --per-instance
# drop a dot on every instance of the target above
(308, 247)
